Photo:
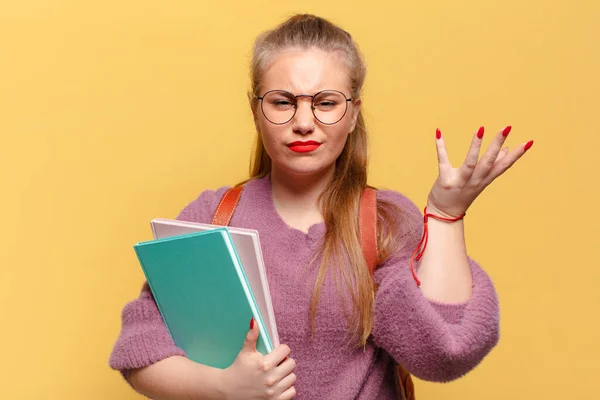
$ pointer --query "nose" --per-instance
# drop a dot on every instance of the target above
(304, 120)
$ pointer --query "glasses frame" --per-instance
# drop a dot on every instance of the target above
(312, 105)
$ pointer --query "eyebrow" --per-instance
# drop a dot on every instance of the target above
(287, 94)
(306, 94)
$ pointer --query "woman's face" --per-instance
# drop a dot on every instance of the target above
(305, 145)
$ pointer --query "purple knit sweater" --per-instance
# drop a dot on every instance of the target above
(434, 341)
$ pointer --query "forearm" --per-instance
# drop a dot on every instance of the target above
(178, 378)
(444, 269)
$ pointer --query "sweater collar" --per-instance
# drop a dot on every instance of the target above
(261, 193)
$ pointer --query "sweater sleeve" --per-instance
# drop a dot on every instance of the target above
(434, 341)
(144, 338)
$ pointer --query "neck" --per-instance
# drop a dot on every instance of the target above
(299, 194)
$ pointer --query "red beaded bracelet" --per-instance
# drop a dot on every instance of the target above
(424, 238)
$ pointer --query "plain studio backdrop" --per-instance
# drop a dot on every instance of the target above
(116, 112)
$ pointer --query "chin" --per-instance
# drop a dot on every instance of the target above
(302, 168)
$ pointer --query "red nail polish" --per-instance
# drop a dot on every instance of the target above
(528, 145)
(506, 130)
(480, 132)
(252, 323)
(438, 133)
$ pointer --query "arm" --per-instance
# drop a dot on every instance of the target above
(155, 367)
(251, 376)
(442, 331)
(433, 339)
(151, 362)
(144, 338)
(444, 269)
(178, 378)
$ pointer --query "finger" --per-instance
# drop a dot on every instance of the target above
(285, 368)
(442, 155)
(501, 155)
(275, 357)
(251, 337)
(278, 382)
(288, 394)
(470, 163)
(507, 161)
(286, 383)
(487, 161)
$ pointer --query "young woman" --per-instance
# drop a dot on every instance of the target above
(344, 330)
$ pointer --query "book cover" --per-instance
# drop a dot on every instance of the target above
(202, 294)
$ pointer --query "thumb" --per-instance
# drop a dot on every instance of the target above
(251, 337)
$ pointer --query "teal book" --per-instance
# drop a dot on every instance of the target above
(203, 294)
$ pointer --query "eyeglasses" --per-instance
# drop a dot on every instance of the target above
(328, 106)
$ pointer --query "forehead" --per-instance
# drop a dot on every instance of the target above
(306, 71)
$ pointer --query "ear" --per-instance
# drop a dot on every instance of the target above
(355, 111)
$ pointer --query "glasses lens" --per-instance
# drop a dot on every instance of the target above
(279, 106)
(330, 107)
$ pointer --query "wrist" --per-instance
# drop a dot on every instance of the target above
(431, 209)
(221, 384)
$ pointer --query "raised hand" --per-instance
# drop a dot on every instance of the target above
(455, 189)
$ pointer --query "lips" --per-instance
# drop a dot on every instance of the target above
(304, 147)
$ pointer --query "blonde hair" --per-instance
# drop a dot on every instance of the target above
(340, 199)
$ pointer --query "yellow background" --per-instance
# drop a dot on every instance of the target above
(113, 113)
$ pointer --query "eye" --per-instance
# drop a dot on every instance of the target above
(328, 101)
(326, 105)
(282, 103)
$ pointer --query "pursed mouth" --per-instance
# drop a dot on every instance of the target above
(304, 147)
(308, 143)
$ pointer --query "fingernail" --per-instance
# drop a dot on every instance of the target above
(480, 132)
(252, 323)
(438, 133)
(528, 145)
(506, 130)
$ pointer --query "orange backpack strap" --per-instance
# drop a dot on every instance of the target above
(367, 222)
(227, 206)
(367, 219)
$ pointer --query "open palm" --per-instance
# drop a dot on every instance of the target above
(455, 189)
